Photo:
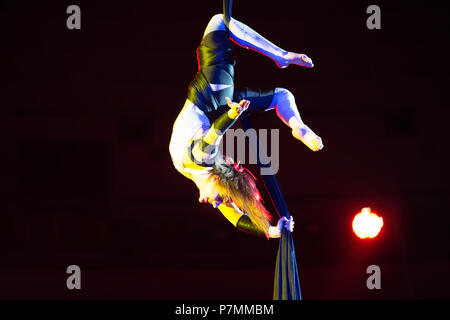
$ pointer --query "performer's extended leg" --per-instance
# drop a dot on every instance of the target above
(246, 37)
(283, 101)
(287, 111)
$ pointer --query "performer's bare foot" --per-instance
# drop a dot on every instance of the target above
(308, 137)
(295, 58)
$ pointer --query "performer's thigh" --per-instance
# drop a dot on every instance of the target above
(260, 99)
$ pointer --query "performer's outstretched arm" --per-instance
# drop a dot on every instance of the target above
(205, 149)
(242, 222)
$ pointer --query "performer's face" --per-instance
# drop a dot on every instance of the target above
(209, 194)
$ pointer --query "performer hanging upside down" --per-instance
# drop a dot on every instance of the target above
(208, 112)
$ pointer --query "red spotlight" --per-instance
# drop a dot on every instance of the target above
(367, 224)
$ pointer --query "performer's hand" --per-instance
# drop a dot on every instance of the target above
(275, 231)
(286, 223)
(237, 108)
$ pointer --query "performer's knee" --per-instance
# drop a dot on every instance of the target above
(218, 18)
(216, 23)
(283, 97)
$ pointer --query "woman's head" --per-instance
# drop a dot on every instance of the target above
(231, 182)
(209, 193)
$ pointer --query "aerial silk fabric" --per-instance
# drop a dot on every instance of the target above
(286, 280)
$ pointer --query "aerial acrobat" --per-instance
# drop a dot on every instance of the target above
(209, 111)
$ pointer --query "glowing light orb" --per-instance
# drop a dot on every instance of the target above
(367, 224)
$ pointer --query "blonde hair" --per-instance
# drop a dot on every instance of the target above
(238, 184)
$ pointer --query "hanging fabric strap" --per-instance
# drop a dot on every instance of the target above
(286, 280)
(227, 6)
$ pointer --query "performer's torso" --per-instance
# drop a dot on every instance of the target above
(206, 98)
(191, 124)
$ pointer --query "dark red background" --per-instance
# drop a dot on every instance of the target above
(86, 176)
